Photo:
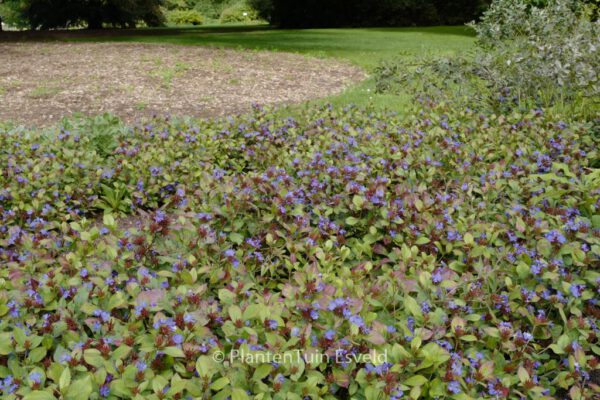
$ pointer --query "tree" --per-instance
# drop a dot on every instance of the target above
(335, 13)
(47, 14)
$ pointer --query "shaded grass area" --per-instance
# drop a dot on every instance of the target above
(363, 47)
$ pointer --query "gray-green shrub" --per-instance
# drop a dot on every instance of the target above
(547, 53)
(526, 56)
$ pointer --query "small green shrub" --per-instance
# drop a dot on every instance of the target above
(101, 132)
(239, 12)
(185, 17)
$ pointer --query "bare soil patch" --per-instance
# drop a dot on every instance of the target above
(42, 82)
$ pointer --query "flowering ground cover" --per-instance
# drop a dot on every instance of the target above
(447, 255)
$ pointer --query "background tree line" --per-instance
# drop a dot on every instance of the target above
(46, 14)
(337, 13)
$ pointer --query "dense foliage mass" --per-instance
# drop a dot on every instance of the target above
(285, 13)
(46, 14)
(222, 11)
(462, 247)
(335, 13)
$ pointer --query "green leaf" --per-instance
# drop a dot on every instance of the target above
(219, 384)
(119, 388)
(65, 379)
(36, 355)
(39, 395)
(422, 240)
(239, 394)
(352, 221)
(121, 352)
(262, 371)
(108, 220)
(80, 389)
(236, 238)
(253, 311)
(358, 201)
(158, 383)
(93, 357)
(411, 305)
(19, 336)
(523, 375)
(468, 238)
(415, 380)
(206, 366)
(235, 313)
(116, 300)
(173, 352)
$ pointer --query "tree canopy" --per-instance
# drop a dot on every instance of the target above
(47, 14)
(335, 13)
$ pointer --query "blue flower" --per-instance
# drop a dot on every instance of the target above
(454, 387)
(576, 290)
(555, 236)
(35, 377)
(141, 366)
(104, 390)
(229, 253)
(177, 339)
(65, 358)
(103, 315)
(330, 334)
(8, 385)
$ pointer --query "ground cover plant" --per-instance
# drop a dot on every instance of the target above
(462, 246)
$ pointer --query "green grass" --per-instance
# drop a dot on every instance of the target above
(363, 47)
(42, 92)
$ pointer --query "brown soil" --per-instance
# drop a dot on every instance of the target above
(42, 82)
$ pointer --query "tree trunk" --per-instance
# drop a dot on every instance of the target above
(0, 23)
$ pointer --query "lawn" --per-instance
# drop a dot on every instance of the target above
(363, 47)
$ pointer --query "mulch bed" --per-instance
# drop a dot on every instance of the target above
(40, 83)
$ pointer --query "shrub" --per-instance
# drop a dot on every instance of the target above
(545, 53)
(239, 12)
(185, 17)
(527, 56)
(463, 247)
